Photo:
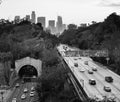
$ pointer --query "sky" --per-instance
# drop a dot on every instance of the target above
(72, 11)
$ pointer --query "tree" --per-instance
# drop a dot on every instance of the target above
(40, 25)
(72, 26)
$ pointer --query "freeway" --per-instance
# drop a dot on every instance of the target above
(19, 91)
(82, 75)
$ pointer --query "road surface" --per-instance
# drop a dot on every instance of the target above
(19, 91)
(82, 75)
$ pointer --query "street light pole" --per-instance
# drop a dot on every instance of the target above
(107, 60)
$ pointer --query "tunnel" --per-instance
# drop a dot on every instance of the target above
(27, 71)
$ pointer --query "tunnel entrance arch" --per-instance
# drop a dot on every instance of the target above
(28, 64)
(28, 71)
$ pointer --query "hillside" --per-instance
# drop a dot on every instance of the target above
(102, 35)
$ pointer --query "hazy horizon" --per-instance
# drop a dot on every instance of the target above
(72, 11)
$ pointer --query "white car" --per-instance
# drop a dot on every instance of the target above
(82, 70)
(14, 100)
(23, 96)
(32, 88)
(34, 76)
(94, 68)
(17, 85)
(25, 90)
(31, 94)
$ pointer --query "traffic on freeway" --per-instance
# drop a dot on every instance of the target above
(98, 82)
(23, 92)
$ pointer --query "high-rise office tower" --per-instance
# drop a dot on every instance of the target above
(51, 26)
(33, 17)
(42, 20)
(28, 17)
(51, 23)
(64, 27)
(17, 19)
(59, 24)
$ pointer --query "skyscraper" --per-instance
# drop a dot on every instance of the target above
(17, 19)
(28, 17)
(64, 27)
(51, 26)
(51, 23)
(59, 24)
(42, 21)
(33, 17)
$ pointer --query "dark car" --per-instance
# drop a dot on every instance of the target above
(90, 71)
(109, 79)
(22, 82)
(107, 89)
(75, 64)
(86, 62)
(92, 82)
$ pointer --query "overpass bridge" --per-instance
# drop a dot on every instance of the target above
(84, 69)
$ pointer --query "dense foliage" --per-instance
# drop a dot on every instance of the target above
(50, 85)
(98, 36)
(21, 40)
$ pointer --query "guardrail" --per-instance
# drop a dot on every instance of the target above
(78, 88)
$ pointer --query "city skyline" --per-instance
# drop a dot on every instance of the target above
(72, 11)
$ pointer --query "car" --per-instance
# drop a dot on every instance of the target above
(22, 81)
(86, 62)
(25, 90)
(107, 88)
(23, 96)
(32, 88)
(109, 79)
(82, 70)
(14, 100)
(92, 82)
(17, 85)
(90, 71)
(94, 68)
(31, 94)
(76, 64)
(34, 76)
(75, 58)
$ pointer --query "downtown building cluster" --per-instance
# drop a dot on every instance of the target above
(54, 27)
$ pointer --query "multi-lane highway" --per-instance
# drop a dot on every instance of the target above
(81, 66)
(19, 91)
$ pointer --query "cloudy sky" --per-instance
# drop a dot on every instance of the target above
(72, 11)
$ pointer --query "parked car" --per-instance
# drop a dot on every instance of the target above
(109, 79)
(92, 82)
